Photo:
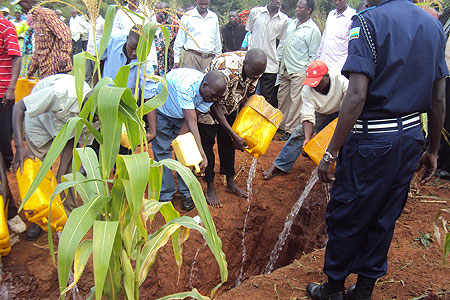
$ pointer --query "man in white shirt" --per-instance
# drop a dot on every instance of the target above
(124, 21)
(333, 47)
(42, 114)
(297, 51)
(203, 42)
(267, 25)
(79, 27)
(322, 96)
(92, 40)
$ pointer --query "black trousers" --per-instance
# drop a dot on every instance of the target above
(444, 150)
(6, 136)
(6, 149)
(267, 88)
(208, 135)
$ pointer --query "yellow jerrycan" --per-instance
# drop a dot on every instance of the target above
(5, 245)
(124, 140)
(24, 86)
(316, 147)
(186, 150)
(257, 123)
(37, 206)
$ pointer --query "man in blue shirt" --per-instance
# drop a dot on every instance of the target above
(396, 71)
(190, 91)
(121, 51)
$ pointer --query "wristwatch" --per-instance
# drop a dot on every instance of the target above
(328, 157)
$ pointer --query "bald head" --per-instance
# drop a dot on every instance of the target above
(255, 63)
(213, 86)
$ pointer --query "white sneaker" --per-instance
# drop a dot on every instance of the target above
(17, 225)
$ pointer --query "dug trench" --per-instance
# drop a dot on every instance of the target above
(31, 274)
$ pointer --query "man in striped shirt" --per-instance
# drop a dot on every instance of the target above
(53, 40)
(10, 63)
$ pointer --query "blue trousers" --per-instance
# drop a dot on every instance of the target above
(373, 174)
(293, 146)
(167, 130)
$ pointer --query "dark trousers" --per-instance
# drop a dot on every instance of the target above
(77, 46)
(444, 150)
(208, 135)
(6, 150)
(267, 88)
(373, 175)
(12, 208)
(6, 136)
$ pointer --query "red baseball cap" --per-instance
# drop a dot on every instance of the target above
(314, 73)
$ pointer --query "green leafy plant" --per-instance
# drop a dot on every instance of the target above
(118, 207)
(440, 223)
(425, 239)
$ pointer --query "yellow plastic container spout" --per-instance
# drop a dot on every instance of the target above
(316, 147)
(24, 86)
(37, 206)
(5, 245)
(257, 123)
(186, 151)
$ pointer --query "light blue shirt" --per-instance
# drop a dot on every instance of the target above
(183, 85)
(300, 46)
(115, 58)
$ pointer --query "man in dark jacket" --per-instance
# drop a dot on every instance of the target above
(233, 33)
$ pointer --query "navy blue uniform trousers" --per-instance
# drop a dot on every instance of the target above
(373, 174)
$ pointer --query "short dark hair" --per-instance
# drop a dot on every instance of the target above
(311, 4)
(134, 31)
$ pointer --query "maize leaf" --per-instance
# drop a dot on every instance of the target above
(82, 254)
(103, 236)
(80, 221)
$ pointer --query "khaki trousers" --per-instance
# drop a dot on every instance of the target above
(195, 61)
(290, 100)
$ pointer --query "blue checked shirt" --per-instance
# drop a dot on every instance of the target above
(115, 58)
(183, 85)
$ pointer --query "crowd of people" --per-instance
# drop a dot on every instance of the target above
(377, 73)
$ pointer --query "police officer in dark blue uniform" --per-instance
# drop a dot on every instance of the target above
(396, 71)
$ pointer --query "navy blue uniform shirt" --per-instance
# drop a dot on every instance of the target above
(410, 46)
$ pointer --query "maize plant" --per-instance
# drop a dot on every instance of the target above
(120, 193)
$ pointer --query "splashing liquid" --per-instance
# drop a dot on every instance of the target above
(289, 221)
(251, 174)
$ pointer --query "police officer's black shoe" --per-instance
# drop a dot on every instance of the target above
(186, 203)
(363, 288)
(352, 295)
(317, 291)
